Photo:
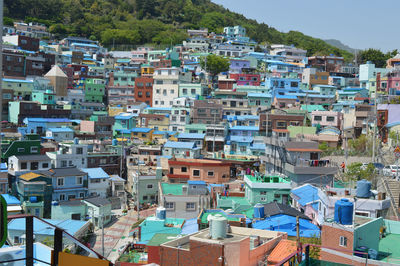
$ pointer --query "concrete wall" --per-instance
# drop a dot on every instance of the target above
(368, 234)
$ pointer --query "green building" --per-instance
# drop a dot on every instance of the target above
(124, 122)
(22, 88)
(195, 128)
(266, 189)
(123, 78)
(193, 90)
(259, 99)
(148, 187)
(44, 97)
(94, 90)
(30, 145)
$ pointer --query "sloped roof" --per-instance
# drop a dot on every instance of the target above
(282, 250)
(98, 201)
(56, 71)
(306, 194)
(29, 176)
(274, 208)
(95, 173)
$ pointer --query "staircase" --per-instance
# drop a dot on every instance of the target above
(392, 189)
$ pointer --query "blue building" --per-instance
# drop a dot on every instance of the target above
(68, 183)
(40, 125)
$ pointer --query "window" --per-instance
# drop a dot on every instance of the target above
(169, 205)
(183, 119)
(34, 149)
(184, 91)
(79, 180)
(70, 163)
(62, 197)
(183, 169)
(281, 124)
(149, 186)
(60, 181)
(45, 165)
(317, 118)
(34, 165)
(262, 198)
(190, 206)
(263, 192)
(343, 241)
(103, 161)
(243, 148)
(210, 173)
(63, 163)
(196, 172)
(193, 91)
(144, 197)
(21, 149)
(79, 150)
(16, 239)
(81, 195)
(330, 118)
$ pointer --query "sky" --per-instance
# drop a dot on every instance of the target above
(359, 24)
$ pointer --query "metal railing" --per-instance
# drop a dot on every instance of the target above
(389, 192)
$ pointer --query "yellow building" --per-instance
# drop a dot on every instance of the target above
(146, 69)
(116, 110)
(145, 134)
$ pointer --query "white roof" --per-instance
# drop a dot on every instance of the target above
(56, 71)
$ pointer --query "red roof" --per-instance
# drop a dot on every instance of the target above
(281, 251)
(178, 176)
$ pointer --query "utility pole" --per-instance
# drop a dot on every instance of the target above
(1, 75)
(122, 156)
(102, 233)
(137, 190)
(374, 132)
(214, 134)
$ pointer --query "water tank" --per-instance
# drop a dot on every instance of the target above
(114, 142)
(33, 199)
(218, 228)
(344, 211)
(161, 213)
(363, 189)
(83, 69)
(259, 211)
(76, 141)
(54, 203)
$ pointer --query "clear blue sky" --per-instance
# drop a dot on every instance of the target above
(357, 23)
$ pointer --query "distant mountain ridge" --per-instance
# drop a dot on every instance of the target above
(341, 45)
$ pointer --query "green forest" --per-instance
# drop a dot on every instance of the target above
(138, 22)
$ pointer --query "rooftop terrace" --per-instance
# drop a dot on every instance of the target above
(267, 179)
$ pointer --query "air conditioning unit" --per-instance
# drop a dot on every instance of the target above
(12, 253)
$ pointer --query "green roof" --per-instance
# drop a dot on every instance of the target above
(310, 108)
(295, 130)
(386, 246)
(295, 111)
(159, 239)
(267, 179)
(173, 189)
(196, 126)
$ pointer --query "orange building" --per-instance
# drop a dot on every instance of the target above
(210, 171)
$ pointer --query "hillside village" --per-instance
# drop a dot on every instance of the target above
(215, 151)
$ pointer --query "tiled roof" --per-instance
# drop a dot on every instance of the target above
(282, 250)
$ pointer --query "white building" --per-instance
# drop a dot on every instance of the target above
(21, 164)
(291, 53)
(165, 87)
(69, 155)
(99, 182)
(60, 134)
(180, 114)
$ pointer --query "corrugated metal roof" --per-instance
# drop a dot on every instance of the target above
(241, 139)
(94, 173)
(11, 200)
(60, 129)
(141, 130)
(306, 193)
(180, 145)
(244, 128)
(191, 136)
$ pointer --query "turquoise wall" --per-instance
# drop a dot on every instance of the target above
(368, 234)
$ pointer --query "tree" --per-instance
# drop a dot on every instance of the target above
(214, 64)
(376, 56)
(110, 36)
(356, 171)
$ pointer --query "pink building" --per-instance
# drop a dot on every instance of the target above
(246, 79)
(326, 118)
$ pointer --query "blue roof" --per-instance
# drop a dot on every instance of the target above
(159, 132)
(191, 136)
(159, 108)
(258, 146)
(95, 173)
(141, 130)
(286, 223)
(11, 200)
(259, 95)
(190, 226)
(60, 129)
(242, 117)
(18, 80)
(244, 128)
(180, 145)
(241, 139)
(306, 194)
(41, 228)
(286, 97)
(85, 44)
(196, 182)
(347, 92)
(124, 116)
(48, 120)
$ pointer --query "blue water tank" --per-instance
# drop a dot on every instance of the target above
(114, 142)
(161, 213)
(259, 211)
(76, 141)
(363, 189)
(344, 211)
(33, 199)
(83, 69)
(54, 203)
